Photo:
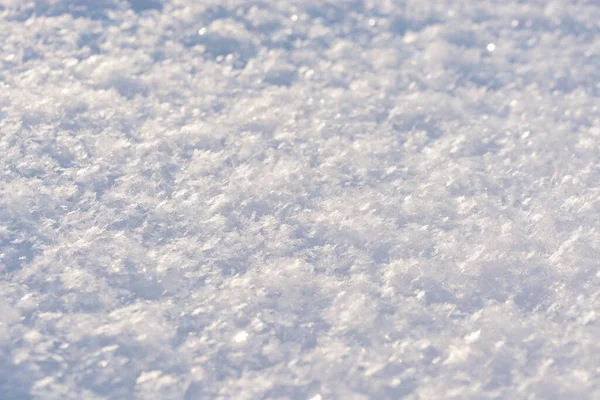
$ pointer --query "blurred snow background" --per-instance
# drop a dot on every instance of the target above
(299, 199)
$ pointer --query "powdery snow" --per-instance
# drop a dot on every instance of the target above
(346, 199)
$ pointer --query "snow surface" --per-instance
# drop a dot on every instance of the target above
(294, 199)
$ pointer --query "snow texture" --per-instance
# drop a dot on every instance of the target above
(350, 199)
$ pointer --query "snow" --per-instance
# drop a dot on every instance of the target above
(346, 199)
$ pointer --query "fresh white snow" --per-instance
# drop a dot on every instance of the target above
(342, 199)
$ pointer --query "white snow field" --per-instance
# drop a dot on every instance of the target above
(286, 199)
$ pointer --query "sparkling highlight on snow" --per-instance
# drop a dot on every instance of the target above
(241, 337)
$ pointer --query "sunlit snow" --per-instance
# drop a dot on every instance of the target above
(288, 199)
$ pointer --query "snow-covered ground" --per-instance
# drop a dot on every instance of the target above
(351, 199)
